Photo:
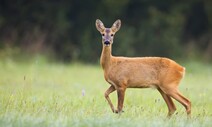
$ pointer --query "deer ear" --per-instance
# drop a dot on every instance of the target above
(99, 25)
(116, 25)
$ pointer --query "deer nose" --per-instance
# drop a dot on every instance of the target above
(107, 43)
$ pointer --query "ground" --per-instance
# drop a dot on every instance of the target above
(40, 93)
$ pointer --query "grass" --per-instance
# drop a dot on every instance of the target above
(38, 93)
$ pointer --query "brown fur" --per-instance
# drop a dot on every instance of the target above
(140, 72)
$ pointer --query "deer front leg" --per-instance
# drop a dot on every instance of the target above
(120, 93)
(108, 91)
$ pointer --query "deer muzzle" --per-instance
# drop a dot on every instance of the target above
(107, 43)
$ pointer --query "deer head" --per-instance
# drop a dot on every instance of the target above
(108, 33)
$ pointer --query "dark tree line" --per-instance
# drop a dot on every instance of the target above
(66, 29)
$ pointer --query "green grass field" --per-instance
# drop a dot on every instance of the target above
(39, 93)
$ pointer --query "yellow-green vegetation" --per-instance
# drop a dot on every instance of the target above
(39, 93)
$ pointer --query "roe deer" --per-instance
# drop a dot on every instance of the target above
(140, 72)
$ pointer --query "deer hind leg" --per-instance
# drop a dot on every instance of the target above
(107, 92)
(171, 106)
(175, 93)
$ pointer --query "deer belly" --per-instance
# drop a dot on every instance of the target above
(142, 84)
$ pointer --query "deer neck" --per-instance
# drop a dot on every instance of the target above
(106, 57)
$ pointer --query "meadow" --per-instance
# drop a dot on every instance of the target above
(40, 93)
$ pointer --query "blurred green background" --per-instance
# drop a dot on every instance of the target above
(65, 30)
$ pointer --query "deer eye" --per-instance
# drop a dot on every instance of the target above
(111, 35)
(103, 34)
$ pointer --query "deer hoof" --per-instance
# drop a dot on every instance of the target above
(118, 112)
